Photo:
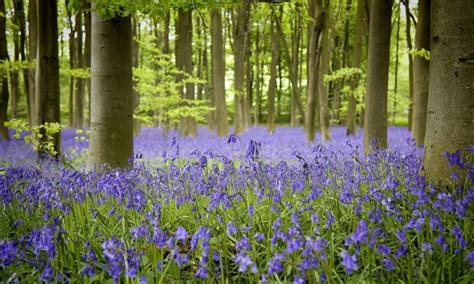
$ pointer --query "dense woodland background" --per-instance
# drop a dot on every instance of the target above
(313, 63)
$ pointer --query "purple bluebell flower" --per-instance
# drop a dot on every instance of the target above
(245, 263)
(349, 262)
(275, 263)
(181, 234)
(388, 264)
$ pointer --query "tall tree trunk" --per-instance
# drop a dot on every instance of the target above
(184, 30)
(313, 57)
(32, 43)
(247, 106)
(72, 44)
(3, 57)
(421, 70)
(79, 92)
(410, 64)
(112, 94)
(275, 38)
(450, 103)
(240, 38)
(135, 64)
(218, 73)
(359, 34)
(375, 121)
(87, 57)
(258, 44)
(323, 70)
(19, 20)
(15, 74)
(47, 70)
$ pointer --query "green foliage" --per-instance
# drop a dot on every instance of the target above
(157, 85)
(82, 73)
(7, 66)
(40, 137)
(423, 53)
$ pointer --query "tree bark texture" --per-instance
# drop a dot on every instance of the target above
(275, 39)
(240, 38)
(313, 57)
(323, 70)
(78, 119)
(47, 68)
(218, 73)
(3, 57)
(375, 121)
(32, 44)
(184, 30)
(87, 57)
(450, 120)
(111, 139)
(410, 64)
(421, 69)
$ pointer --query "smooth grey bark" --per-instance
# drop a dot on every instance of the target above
(323, 69)
(32, 44)
(313, 60)
(47, 69)
(240, 38)
(15, 74)
(3, 56)
(78, 117)
(87, 57)
(19, 20)
(359, 34)
(135, 64)
(410, 63)
(184, 31)
(450, 120)
(72, 43)
(375, 120)
(421, 70)
(218, 73)
(275, 39)
(111, 139)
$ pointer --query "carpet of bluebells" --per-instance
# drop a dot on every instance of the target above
(243, 209)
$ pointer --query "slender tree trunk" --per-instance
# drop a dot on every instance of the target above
(397, 59)
(375, 121)
(188, 125)
(15, 74)
(275, 39)
(3, 57)
(218, 73)
(32, 43)
(111, 140)
(20, 49)
(410, 64)
(421, 68)
(314, 38)
(72, 47)
(79, 92)
(323, 70)
(359, 34)
(247, 107)
(135, 64)
(47, 70)
(450, 104)
(239, 47)
(258, 44)
(87, 57)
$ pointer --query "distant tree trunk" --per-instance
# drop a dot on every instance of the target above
(247, 108)
(275, 39)
(240, 38)
(15, 74)
(313, 57)
(87, 57)
(3, 56)
(450, 104)
(258, 45)
(375, 121)
(359, 34)
(32, 43)
(135, 64)
(79, 92)
(184, 30)
(218, 73)
(410, 64)
(397, 59)
(20, 51)
(323, 70)
(72, 44)
(421, 70)
(112, 94)
(47, 69)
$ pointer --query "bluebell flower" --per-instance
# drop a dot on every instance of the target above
(298, 280)
(349, 262)
(275, 263)
(388, 264)
(245, 263)
(181, 234)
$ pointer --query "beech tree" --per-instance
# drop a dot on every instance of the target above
(421, 72)
(450, 103)
(4, 81)
(375, 121)
(47, 69)
(111, 140)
